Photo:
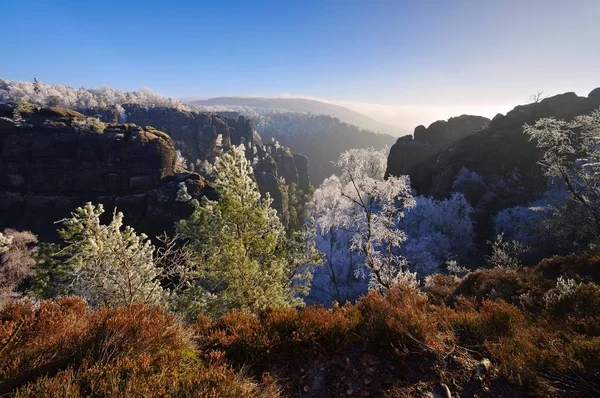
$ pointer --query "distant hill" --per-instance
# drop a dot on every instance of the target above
(301, 105)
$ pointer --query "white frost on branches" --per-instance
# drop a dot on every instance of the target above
(108, 264)
(81, 98)
(361, 202)
(438, 230)
(572, 153)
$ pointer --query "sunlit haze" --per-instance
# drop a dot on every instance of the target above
(402, 63)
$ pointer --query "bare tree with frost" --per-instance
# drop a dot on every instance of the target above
(363, 203)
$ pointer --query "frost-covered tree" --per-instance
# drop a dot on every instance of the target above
(438, 230)
(181, 163)
(362, 202)
(106, 263)
(242, 258)
(42, 94)
(505, 253)
(470, 184)
(572, 153)
(338, 279)
(533, 225)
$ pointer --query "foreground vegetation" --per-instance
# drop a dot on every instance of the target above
(495, 332)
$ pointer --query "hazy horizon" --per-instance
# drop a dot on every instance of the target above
(407, 117)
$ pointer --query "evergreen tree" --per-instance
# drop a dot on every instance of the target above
(108, 264)
(242, 258)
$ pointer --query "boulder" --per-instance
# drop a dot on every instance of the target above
(441, 390)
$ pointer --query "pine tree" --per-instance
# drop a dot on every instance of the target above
(242, 257)
(108, 264)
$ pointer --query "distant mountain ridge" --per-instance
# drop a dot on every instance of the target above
(301, 105)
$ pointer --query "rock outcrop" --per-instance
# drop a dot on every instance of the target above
(198, 135)
(500, 162)
(409, 153)
(496, 150)
(445, 132)
(53, 160)
(502, 149)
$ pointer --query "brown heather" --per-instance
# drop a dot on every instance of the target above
(398, 345)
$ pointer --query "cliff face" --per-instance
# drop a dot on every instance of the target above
(411, 154)
(503, 149)
(492, 150)
(53, 160)
(501, 155)
(196, 134)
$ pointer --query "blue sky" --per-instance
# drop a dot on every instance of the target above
(481, 55)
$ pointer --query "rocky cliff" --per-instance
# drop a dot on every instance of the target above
(502, 149)
(495, 167)
(409, 153)
(53, 160)
(197, 136)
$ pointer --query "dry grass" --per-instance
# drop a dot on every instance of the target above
(61, 348)
(402, 343)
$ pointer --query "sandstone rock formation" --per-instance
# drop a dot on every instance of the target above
(409, 153)
(502, 149)
(496, 150)
(442, 132)
(53, 160)
(501, 156)
(195, 135)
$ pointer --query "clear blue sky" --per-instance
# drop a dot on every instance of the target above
(382, 52)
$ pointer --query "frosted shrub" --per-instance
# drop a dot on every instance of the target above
(88, 124)
(455, 269)
(469, 184)
(437, 230)
(108, 264)
(506, 254)
(5, 241)
(182, 193)
(407, 280)
(565, 288)
(181, 163)
(572, 153)
(532, 224)
(17, 264)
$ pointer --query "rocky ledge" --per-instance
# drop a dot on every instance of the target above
(53, 160)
